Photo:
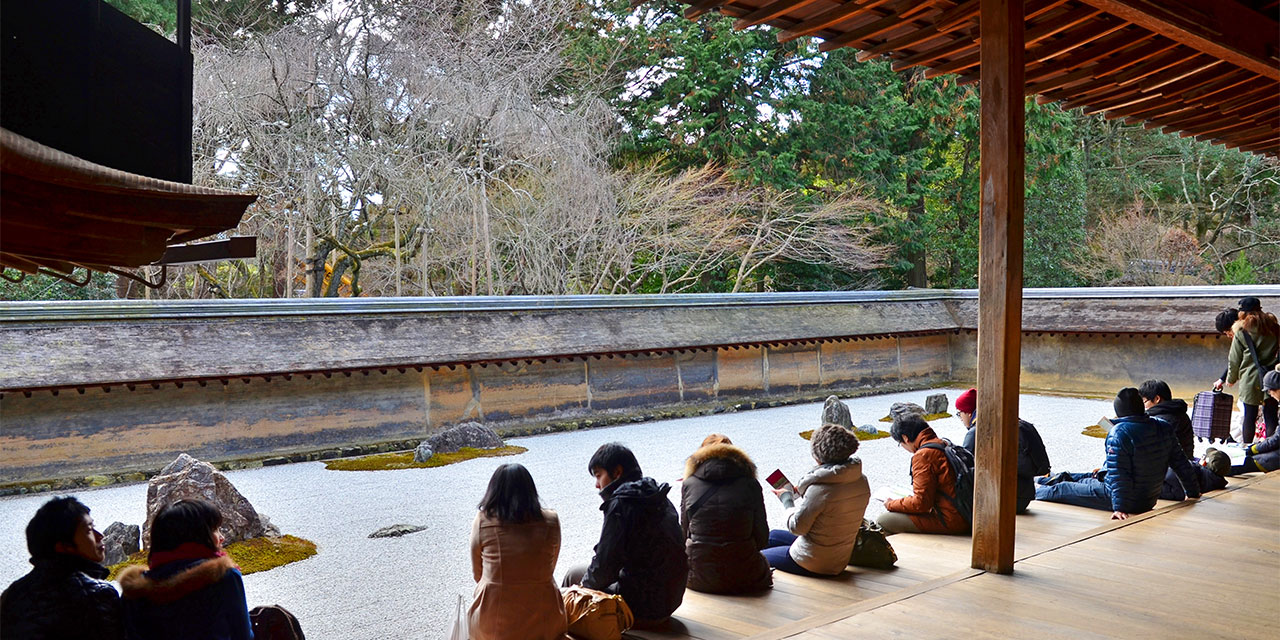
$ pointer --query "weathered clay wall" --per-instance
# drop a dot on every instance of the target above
(112, 387)
(97, 431)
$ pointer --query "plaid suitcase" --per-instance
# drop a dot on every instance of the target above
(1211, 415)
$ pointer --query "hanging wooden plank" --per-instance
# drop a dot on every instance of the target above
(999, 282)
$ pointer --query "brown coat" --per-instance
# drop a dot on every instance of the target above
(931, 477)
(723, 537)
(516, 597)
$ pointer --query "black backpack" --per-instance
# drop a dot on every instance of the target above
(961, 462)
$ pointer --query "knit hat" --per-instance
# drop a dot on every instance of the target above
(1249, 304)
(967, 401)
(1217, 461)
(832, 443)
(1271, 381)
(1128, 403)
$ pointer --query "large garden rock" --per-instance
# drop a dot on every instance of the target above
(423, 453)
(397, 530)
(467, 434)
(900, 410)
(187, 477)
(121, 541)
(836, 412)
(935, 404)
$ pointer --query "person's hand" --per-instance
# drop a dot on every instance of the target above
(778, 492)
(1119, 515)
(1217, 385)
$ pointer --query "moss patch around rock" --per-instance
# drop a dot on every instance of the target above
(927, 417)
(404, 459)
(862, 437)
(1095, 431)
(258, 554)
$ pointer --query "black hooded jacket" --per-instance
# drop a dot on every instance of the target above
(62, 597)
(640, 555)
(1174, 412)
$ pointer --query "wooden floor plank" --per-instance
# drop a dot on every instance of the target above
(1182, 570)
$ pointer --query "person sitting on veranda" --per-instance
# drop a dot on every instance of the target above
(65, 594)
(1263, 455)
(1033, 459)
(1160, 404)
(640, 555)
(724, 521)
(1139, 450)
(823, 520)
(931, 507)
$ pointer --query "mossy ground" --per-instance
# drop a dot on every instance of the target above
(862, 437)
(927, 417)
(404, 459)
(258, 554)
(1095, 431)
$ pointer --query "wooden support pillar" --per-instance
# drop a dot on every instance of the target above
(999, 283)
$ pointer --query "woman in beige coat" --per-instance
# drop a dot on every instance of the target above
(514, 547)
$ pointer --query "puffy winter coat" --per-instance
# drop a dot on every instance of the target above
(62, 597)
(932, 482)
(640, 555)
(1240, 365)
(516, 597)
(1174, 412)
(1033, 460)
(199, 599)
(724, 535)
(827, 516)
(1139, 450)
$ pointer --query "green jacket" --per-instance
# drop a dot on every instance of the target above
(1240, 364)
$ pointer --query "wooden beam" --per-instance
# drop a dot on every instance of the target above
(699, 8)
(1224, 29)
(1002, 147)
(836, 16)
(1037, 32)
(235, 248)
(769, 12)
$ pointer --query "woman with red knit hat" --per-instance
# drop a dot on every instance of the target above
(1033, 460)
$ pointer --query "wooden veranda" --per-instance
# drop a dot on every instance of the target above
(1202, 68)
(1186, 570)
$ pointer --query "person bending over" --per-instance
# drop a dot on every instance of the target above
(824, 519)
(1251, 326)
(1157, 400)
(64, 595)
(191, 588)
(723, 518)
(1139, 450)
(514, 547)
(931, 506)
(1033, 460)
(640, 555)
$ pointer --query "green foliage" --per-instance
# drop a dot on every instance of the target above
(1239, 271)
(102, 286)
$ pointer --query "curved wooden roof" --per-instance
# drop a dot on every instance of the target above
(1202, 68)
(61, 211)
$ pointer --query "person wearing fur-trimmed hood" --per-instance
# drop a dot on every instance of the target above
(723, 519)
(191, 588)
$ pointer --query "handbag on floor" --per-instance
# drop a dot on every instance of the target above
(274, 622)
(460, 629)
(596, 615)
(872, 548)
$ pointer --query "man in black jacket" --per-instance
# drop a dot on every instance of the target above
(64, 596)
(640, 555)
(1157, 400)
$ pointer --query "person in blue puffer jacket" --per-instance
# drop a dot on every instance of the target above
(1139, 450)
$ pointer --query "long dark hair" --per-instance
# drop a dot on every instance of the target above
(511, 496)
(191, 520)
